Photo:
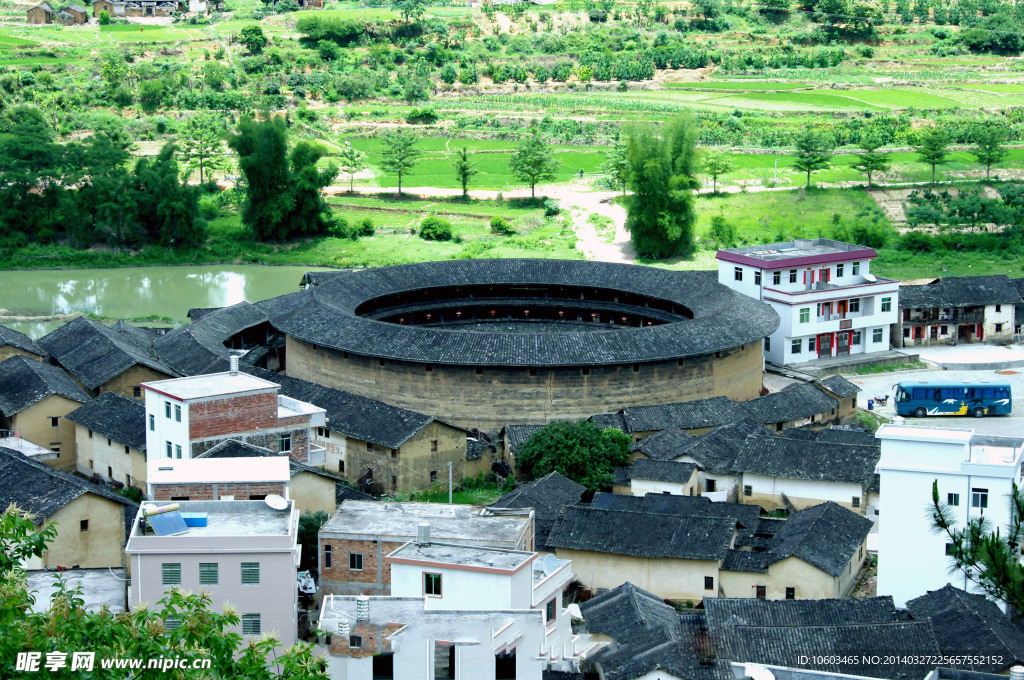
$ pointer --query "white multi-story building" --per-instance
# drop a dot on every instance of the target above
(829, 302)
(243, 553)
(456, 611)
(974, 474)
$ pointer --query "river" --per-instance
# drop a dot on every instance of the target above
(134, 292)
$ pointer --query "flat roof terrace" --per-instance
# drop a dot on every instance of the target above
(464, 556)
(210, 385)
(230, 525)
(798, 252)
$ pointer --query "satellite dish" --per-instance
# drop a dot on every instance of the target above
(870, 278)
(276, 502)
(550, 564)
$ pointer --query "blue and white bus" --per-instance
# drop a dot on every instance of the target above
(922, 399)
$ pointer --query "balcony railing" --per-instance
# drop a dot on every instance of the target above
(317, 455)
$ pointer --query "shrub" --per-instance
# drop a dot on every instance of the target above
(598, 15)
(551, 208)
(423, 116)
(271, 87)
(104, 18)
(340, 228)
(469, 76)
(328, 50)
(448, 74)
(366, 227)
(499, 225)
(132, 493)
(434, 228)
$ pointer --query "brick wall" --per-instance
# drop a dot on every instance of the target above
(218, 417)
(268, 439)
(373, 579)
(213, 492)
(374, 640)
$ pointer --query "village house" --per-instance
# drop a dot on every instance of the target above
(242, 553)
(92, 521)
(114, 8)
(354, 542)
(688, 548)
(34, 400)
(40, 14)
(958, 309)
(110, 439)
(13, 342)
(219, 479)
(645, 476)
(73, 14)
(430, 577)
(546, 497)
(974, 475)
(102, 358)
(830, 303)
(188, 416)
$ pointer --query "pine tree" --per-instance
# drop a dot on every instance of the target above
(871, 160)
(400, 154)
(812, 153)
(464, 169)
(988, 147)
(534, 161)
(933, 149)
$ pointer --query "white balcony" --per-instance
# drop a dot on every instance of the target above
(317, 455)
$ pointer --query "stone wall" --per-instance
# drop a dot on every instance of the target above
(488, 397)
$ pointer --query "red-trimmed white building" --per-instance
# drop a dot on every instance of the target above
(829, 302)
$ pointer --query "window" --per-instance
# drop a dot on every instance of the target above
(767, 344)
(171, 573)
(327, 556)
(394, 453)
(110, 472)
(136, 392)
(792, 276)
(533, 372)
(761, 592)
(250, 624)
(549, 611)
(999, 328)
(433, 476)
(709, 583)
(776, 278)
(355, 561)
(250, 573)
(341, 466)
(167, 409)
(855, 502)
(791, 593)
(797, 346)
(127, 451)
(177, 451)
(394, 482)
(54, 422)
(979, 498)
(177, 413)
(284, 442)
(709, 485)
(856, 268)
(355, 641)
(83, 525)
(737, 273)
(999, 308)
(876, 335)
(855, 340)
(152, 424)
(811, 344)
(748, 490)
(839, 270)
(432, 584)
(854, 305)
(127, 480)
(369, 446)
(757, 278)
(953, 499)
(108, 441)
(887, 304)
(805, 314)
(209, 573)
(433, 446)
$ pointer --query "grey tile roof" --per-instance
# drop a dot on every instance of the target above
(42, 490)
(96, 354)
(839, 386)
(197, 313)
(961, 291)
(781, 456)
(687, 415)
(630, 614)
(9, 336)
(747, 516)
(662, 445)
(547, 496)
(662, 471)
(343, 492)
(722, 319)
(826, 536)
(516, 435)
(354, 416)
(724, 614)
(795, 402)
(716, 451)
(118, 418)
(76, 8)
(972, 625)
(639, 534)
(199, 347)
(610, 420)
(25, 381)
(317, 278)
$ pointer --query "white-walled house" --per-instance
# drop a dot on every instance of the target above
(829, 302)
(959, 309)
(974, 474)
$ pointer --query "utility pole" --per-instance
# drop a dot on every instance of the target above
(449, 482)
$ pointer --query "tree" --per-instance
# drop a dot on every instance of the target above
(464, 169)
(351, 162)
(812, 153)
(282, 198)
(253, 38)
(933, 148)
(104, 18)
(987, 556)
(615, 165)
(412, 10)
(167, 209)
(202, 143)
(871, 160)
(400, 154)
(146, 632)
(988, 147)
(662, 175)
(309, 526)
(580, 451)
(534, 161)
(716, 164)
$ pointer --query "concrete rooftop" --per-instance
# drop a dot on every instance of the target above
(210, 385)
(447, 522)
(220, 470)
(770, 252)
(456, 556)
(232, 518)
(100, 588)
